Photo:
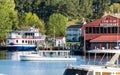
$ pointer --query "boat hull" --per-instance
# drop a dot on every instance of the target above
(39, 58)
(21, 48)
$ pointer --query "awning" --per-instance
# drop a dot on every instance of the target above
(106, 38)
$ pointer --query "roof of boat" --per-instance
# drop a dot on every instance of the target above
(99, 68)
(96, 68)
(105, 51)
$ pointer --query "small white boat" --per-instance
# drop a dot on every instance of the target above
(48, 56)
(111, 67)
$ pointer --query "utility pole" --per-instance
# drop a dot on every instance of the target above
(84, 43)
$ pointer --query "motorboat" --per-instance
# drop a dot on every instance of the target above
(111, 67)
(56, 55)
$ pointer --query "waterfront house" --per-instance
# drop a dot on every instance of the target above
(103, 33)
(73, 32)
(60, 42)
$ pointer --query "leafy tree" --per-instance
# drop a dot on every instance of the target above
(9, 6)
(115, 8)
(99, 7)
(56, 25)
(30, 20)
(115, 1)
(85, 9)
(8, 17)
(5, 23)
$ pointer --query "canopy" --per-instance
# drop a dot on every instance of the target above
(105, 51)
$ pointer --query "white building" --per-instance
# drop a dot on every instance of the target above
(60, 41)
(73, 32)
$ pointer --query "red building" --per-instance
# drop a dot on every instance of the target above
(102, 33)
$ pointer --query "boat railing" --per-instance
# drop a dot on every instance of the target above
(65, 54)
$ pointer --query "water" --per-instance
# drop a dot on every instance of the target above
(12, 67)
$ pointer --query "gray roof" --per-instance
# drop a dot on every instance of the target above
(75, 26)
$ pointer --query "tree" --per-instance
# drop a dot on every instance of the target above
(8, 17)
(9, 7)
(115, 8)
(5, 23)
(99, 7)
(30, 20)
(56, 25)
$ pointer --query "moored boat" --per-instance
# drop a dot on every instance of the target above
(109, 68)
(24, 40)
(48, 56)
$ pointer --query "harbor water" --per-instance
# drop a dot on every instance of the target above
(17, 67)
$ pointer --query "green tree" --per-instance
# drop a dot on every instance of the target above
(115, 8)
(8, 17)
(30, 20)
(9, 6)
(5, 23)
(99, 7)
(56, 25)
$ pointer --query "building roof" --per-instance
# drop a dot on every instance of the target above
(106, 38)
(75, 26)
(105, 20)
(61, 37)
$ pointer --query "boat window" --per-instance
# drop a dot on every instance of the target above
(22, 41)
(16, 41)
(26, 41)
(97, 73)
(75, 72)
(106, 73)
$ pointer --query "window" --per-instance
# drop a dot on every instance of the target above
(114, 45)
(97, 73)
(22, 41)
(109, 30)
(26, 41)
(104, 30)
(16, 41)
(87, 30)
(106, 45)
(97, 29)
(94, 30)
(101, 29)
(95, 45)
(114, 29)
(90, 29)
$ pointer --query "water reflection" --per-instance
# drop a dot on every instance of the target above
(12, 67)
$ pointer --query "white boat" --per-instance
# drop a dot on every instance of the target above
(109, 68)
(48, 56)
(24, 40)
